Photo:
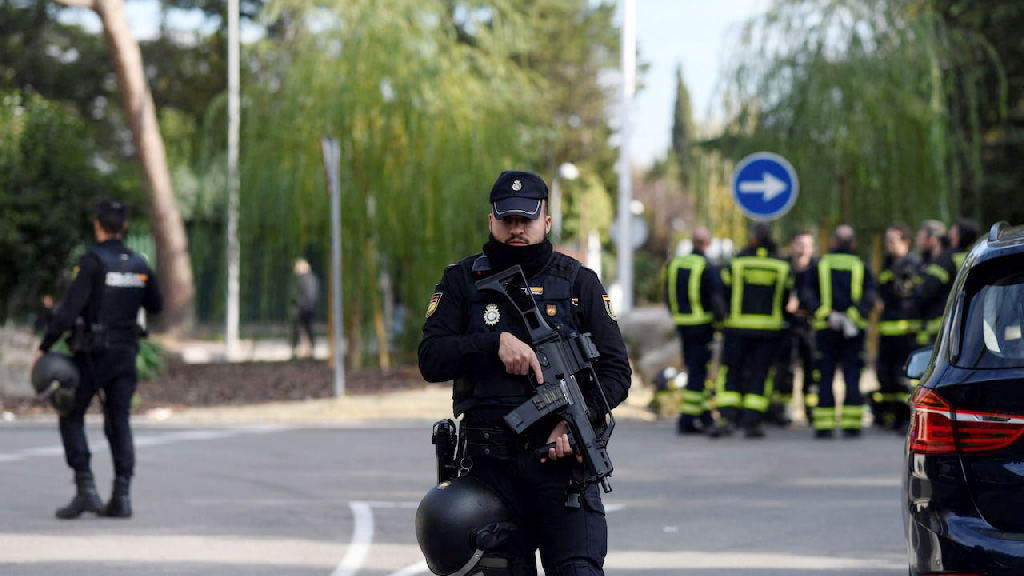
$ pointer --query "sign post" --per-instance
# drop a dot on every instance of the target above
(764, 186)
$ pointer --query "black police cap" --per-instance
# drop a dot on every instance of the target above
(518, 193)
(110, 208)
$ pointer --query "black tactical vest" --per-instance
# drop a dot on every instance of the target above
(124, 279)
(492, 312)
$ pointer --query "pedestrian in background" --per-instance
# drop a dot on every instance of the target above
(842, 293)
(305, 299)
(44, 316)
(101, 309)
(693, 293)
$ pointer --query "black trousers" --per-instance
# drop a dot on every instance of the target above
(748, 358)
(572, 541)
(303, 320)
(796, 345)
(696, 343)
(111, 372)
(890, 402)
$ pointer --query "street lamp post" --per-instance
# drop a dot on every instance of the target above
(566, 171)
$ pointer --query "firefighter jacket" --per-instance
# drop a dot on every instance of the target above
(757, 286)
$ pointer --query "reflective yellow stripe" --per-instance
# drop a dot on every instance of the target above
(895, 327)
(775, 272)
(824, 418)
(852, 416)
(755, 402)
(692, 402)
(697, 315)
(939, 272)
(728, 399)
(958, 259)
(840, 261)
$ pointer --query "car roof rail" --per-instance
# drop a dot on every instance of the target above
(993, 233)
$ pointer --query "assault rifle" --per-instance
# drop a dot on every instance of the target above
(564, 359)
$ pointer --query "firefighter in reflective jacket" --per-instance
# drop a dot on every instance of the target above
(693, 294)
(896, 284)
(842, 292)
(938, 279)
(758, 287)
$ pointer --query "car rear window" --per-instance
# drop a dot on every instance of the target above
(992, 334)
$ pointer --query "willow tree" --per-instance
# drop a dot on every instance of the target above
(855, 93)
(423, 119)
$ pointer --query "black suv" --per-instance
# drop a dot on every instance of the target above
(963, 484)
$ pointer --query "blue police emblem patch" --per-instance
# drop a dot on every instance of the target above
(491, 314)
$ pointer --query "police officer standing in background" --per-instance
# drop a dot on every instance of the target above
(758, 287)
(842, 293)
(477, 339)
(896, 328)
(111, 283)
(693, 294)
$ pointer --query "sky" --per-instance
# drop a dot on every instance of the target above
(693, 33)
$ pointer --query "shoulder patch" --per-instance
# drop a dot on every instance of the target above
(74, 272)
(608, 307)
(434, 300)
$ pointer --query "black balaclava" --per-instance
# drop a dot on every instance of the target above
(532, 258)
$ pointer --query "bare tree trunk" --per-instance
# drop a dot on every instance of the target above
(173, 260)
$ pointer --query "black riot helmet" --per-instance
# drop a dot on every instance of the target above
(55, 379)
(457, 522)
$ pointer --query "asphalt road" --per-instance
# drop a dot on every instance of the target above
(340, 501)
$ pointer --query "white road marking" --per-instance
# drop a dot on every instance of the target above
(144, 440)
(362, 537)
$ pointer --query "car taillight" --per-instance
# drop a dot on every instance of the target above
(935, 430)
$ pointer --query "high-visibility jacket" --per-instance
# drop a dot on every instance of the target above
(757, 286)
(692, 290)
(896, 284)
(841, 283)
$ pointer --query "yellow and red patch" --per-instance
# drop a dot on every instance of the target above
(608, 308)
(434, 300)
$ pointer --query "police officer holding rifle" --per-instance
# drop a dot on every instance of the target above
(525, 333)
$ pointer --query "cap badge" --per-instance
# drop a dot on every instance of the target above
(491, 314)
(517, 185)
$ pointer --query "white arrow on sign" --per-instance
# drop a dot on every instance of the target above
(769, 186)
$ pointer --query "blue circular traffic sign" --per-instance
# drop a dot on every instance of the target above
(764, 186)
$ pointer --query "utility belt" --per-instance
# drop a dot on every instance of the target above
(98, 337)
(478, 440)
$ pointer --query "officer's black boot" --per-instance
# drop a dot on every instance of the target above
(86, 499)
(120, 504)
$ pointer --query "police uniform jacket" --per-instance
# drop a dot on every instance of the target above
(463, 326)
(841, 282)
(110, 284)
